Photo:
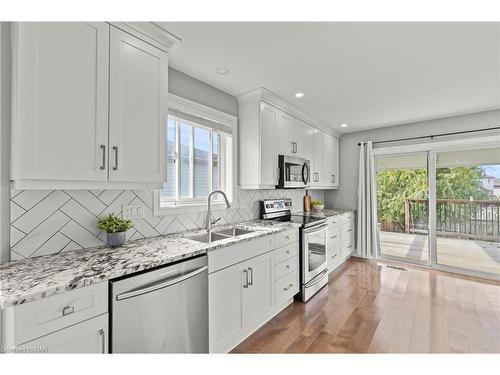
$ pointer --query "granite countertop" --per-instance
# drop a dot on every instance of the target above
(327, 212)
(28, 280)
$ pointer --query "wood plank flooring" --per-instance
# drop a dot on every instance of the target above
(370, 308)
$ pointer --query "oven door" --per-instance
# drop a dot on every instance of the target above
(314, 259)
(293, 172)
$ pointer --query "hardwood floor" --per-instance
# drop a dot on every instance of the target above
(370, 308)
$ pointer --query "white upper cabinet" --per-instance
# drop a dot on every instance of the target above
(60, 101)
(138, 109)
(89, 107)
(268, 127)
(317, 172)
(268, 122)
(307, 144)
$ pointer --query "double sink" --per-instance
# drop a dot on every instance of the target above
(220, 235)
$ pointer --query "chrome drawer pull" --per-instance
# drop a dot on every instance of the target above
(288, 251)
(287, 267)
(289, 286)
(349, 230)
(103, 341)
(246, 279)
(250, 270)
(68, 310)
(349, 246)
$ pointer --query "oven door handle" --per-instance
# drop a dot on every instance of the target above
(317, 279)
(315, 229)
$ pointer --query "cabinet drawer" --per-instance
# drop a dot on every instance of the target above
(90, 336)
(38, 318)
(348, 217)
(284, 268)
(228, 256)
(286, 252)
(347, 231)
(334, 256)
(284, 238)
(334, 235)
(347, 248)
(287, 287)
(334, 220)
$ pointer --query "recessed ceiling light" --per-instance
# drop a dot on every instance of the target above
(299, 94)
(344, 125)
(222, 71)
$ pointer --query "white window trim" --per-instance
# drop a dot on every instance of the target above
(199, 110)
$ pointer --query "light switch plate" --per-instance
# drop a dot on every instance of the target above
(133, 212)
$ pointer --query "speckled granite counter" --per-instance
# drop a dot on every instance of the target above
(327, 212)
(29, 280)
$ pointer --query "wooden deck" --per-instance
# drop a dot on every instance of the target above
(473, 255)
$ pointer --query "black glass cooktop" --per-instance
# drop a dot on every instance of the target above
(305, 221)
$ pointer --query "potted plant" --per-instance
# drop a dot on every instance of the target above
(317, 205)
(115, 228)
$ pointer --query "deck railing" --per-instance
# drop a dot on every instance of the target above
(457, 218)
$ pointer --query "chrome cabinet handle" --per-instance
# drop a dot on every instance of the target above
(349, 246)
(287, 267)
(115, 149)
(334, 256)
(287, 288)
(333, 178)
(349, 230)
(245, 285)
(288, 251)
(333, 236)
(287, 237)
(103, 164)
(103, 341)
(250, 270)
(68, 310)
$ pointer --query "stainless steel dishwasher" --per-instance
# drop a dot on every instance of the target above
(162, 311)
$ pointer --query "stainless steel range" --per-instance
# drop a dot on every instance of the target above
(313, 234)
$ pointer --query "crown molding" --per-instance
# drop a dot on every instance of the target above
(149, 32)
(278, 102)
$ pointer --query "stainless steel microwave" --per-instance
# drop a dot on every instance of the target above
(294, 173)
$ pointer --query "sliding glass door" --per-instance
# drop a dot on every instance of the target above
(441, 208)
(468, 211)
(403, 207)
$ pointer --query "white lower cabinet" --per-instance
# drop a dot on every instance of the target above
(245, 295)
(90, 336)
(340, 241)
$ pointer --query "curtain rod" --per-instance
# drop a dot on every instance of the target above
(432, 136)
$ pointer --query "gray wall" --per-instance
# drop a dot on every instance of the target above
(4, 139)
(346, 195)
(191, 88)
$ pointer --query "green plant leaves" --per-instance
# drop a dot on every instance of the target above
(114, 224)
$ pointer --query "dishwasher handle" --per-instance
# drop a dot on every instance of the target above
(161, 285)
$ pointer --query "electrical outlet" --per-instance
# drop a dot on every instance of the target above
(133, 212)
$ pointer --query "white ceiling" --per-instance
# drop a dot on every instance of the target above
(367, 75)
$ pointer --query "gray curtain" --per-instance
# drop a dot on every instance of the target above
(367, 244)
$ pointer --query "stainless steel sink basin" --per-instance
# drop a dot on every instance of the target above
(220, 235)
(233, 232)
(208, 237)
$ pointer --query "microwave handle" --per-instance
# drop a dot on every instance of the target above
(305, 173)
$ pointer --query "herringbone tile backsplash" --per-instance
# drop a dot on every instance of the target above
(46, 222)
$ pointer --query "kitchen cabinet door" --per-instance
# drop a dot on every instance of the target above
(138, 110)
(334, 168)
(330, 167)
(258, 292)
(307, 143)
(90, 336)
(268, 156)
(284, 135)
(225, 294)
(60, 101)
(317, 173)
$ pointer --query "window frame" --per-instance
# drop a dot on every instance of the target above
(192, 108)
